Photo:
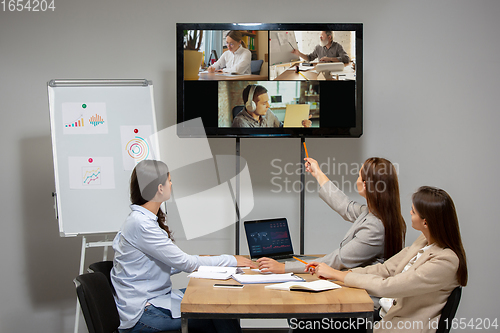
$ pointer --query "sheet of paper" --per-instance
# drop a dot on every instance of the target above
(220, 269)
(231, 75)
(301, 68)
(274, 46)
(284, 37)
(84, 118)
(215, 272)
(266, 278)
(91, 173)
(210, 275)
(305, 68)
(259, 271)
(135, 145)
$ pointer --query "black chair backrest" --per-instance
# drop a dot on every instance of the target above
(105, 268)
(255, 66)
(97, 303)
(237, 109)
(449, 311)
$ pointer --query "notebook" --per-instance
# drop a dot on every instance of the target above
(215, 272)
(314, 286)
(270, 238)
(294, 115)
(263, 278)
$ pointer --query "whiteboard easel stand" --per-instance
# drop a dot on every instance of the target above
(85, 245)
(94, 83)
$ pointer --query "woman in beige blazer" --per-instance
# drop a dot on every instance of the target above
(420, 278)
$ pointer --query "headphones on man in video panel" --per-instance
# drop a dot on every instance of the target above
(250, 104)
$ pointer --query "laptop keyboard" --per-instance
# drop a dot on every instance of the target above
(284, 256)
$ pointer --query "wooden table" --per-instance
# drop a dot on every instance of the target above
(202, 300)
(224, 77)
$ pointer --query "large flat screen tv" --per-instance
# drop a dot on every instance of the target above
(305, 80)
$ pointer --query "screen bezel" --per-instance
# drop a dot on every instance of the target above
(215, 131)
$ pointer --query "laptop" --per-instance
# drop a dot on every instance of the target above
(270, 238)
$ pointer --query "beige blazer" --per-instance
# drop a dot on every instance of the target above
(363, 243)
(419, 294)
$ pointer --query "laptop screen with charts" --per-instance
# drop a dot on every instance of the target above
(269, 238)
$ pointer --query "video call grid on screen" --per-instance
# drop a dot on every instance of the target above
(335, 102)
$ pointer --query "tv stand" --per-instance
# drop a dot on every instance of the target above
(302, 197)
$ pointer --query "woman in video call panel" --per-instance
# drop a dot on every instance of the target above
(415, 283)
(378, 228)
(237, 59)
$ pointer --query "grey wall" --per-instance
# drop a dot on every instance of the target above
(431, 90)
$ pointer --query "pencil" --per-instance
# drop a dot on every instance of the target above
(291, 45)
(302, 261)
(305, 148)
(304, 76)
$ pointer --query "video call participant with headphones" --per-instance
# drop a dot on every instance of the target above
(256, 112)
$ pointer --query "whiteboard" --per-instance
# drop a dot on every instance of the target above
(280, 49)
(100, 129)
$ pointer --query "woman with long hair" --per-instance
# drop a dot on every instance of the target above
(237, 59)
(415, 283)
(378, 229)
(146, 257)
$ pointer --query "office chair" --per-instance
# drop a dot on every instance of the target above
(97, 303)
(237, 109)
(255, 66)
(214, 54)
(105, 268)
(449, 311)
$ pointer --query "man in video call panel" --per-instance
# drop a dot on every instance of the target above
(326, 51)
(258, 113)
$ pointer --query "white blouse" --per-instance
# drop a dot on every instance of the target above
(237, 62)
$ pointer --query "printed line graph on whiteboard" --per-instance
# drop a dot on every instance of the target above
(91, 175)
(138, 149)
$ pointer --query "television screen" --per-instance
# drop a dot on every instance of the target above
(269, 79)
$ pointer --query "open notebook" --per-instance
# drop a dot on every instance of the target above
(315, 286)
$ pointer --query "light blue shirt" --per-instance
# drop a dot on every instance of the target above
(145, 257)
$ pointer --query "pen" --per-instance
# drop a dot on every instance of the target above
(291, 46)
(304, 76)
(302, 261)
(307, 155)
